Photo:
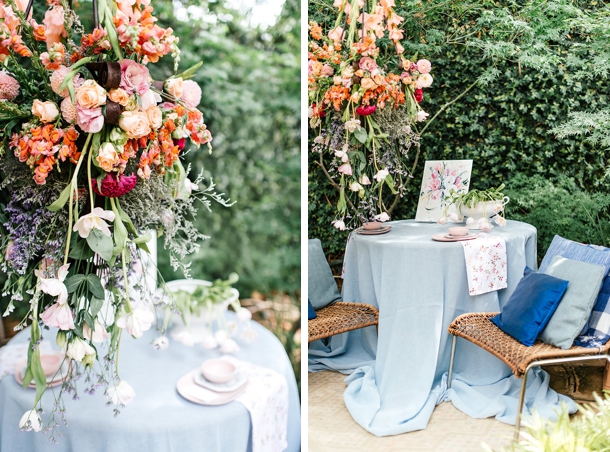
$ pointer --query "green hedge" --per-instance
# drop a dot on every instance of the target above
(503, 127)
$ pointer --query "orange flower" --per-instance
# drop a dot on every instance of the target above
(39, 32)
(315, 30)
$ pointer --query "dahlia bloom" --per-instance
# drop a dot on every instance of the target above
(9, 87)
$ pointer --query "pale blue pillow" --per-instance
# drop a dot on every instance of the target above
(571, 315)
(321, 283)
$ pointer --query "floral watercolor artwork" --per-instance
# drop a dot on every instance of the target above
(440, 178)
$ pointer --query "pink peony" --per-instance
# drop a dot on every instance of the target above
(90, 120)
(327, 70)
(58, 315)
(113, 185)
(9, 87)
(367, 64)
(424, 66)
(191, 93)
(134, 77)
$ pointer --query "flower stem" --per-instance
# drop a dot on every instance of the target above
(125, 280)
(73, 191)
(118, 349)
(89, 180)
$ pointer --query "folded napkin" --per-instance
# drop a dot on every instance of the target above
(485, 264)
(11, 353)
(266, 398)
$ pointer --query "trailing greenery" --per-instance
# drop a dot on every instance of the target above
(525, 71)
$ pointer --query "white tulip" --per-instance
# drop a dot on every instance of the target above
(136, 322)
(122, 393)
(244, 314)
(229, 346)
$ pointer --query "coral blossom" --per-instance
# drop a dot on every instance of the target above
(113, 185)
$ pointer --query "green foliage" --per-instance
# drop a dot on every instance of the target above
(507, 122)
(559, 206)
(586, 432)
(251, 85)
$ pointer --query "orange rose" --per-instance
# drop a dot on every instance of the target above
(90, 95)
(107, 157)
(135, 124)
(367, 83)
(155, 117)
(119, 96)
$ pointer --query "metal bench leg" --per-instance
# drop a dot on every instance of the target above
(521, 401)
(451, 362)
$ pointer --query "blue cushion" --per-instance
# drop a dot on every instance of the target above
(530, 306)
(322, 289)
(585, 253)
(311, 313)
(576, 305)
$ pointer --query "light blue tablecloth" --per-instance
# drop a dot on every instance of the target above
(158, 419)
(420, 286)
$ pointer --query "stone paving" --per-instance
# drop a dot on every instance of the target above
(332, 429)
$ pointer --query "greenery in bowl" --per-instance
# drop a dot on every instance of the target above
(470, 201)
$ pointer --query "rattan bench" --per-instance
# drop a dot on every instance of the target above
(341, 317)
(478, 329)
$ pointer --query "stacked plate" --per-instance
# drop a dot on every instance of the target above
(381, 230)
(453, 238)
(197, 389)
(56, 367)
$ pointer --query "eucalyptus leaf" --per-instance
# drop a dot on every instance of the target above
(101, 244)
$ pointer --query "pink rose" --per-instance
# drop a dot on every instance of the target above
(424, 66)
(90, 120)
(54, 22)
(58, 315)
(367, 64)
(134, 77)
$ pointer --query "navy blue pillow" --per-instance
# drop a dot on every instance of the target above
(531, 306)
(311, 314)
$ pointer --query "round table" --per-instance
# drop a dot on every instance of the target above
(158, 419)
(420, 285)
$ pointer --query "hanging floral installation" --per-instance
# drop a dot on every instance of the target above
(363, 115)
(90, 173)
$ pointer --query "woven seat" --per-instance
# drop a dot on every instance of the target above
(341, 317)
(478, 329)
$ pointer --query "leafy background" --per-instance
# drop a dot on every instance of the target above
(531, 66)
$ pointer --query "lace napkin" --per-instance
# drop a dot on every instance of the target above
(485, 264)
(266, 398)
(11, 353)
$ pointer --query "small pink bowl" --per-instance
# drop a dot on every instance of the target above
(218, 370)
(51, 363)
(372, 225)
(458, 231)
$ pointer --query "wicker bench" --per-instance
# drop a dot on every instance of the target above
(478, 329)
(341, 317)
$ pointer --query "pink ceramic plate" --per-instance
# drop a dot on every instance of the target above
(194, 393)
(381, 230)
(446, 238)
(60, 377)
